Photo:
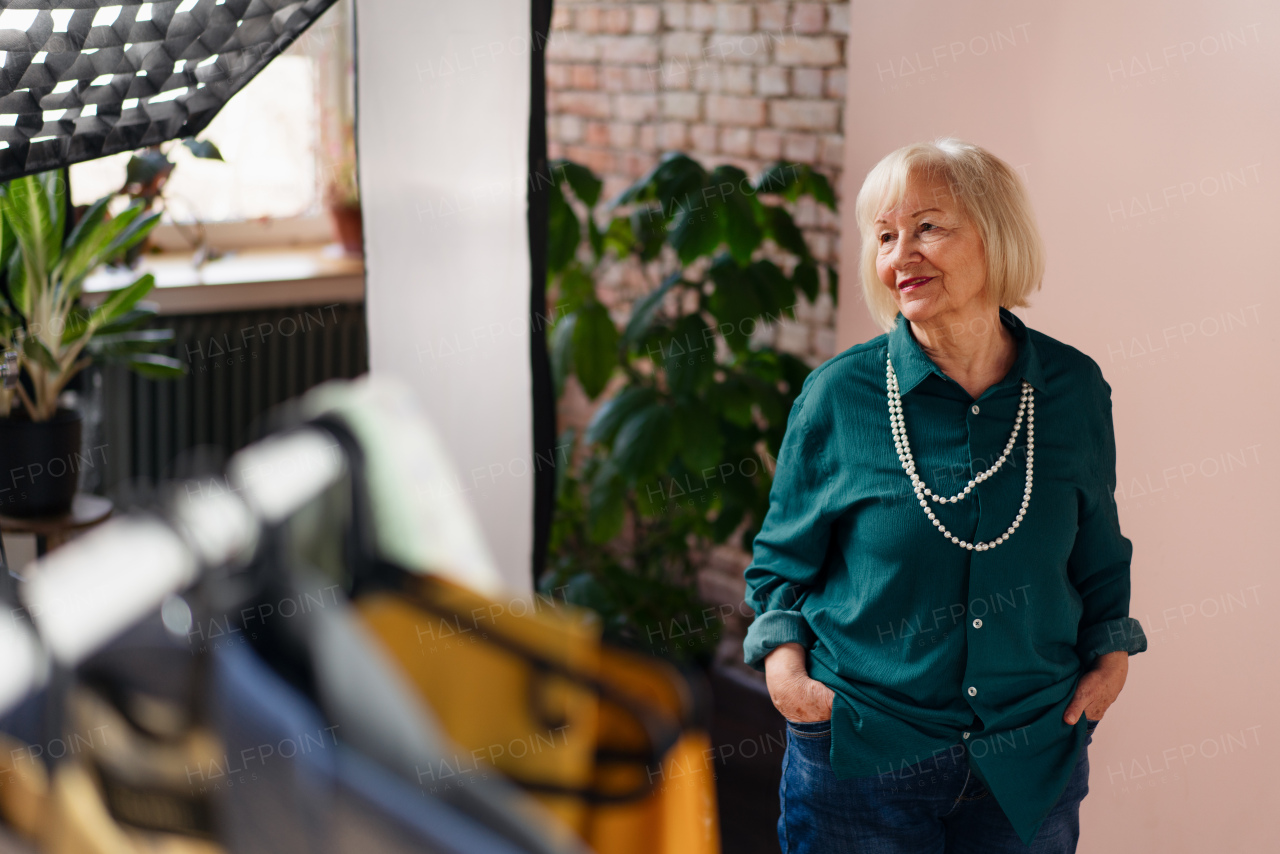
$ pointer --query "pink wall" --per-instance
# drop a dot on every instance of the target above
(1147, 133)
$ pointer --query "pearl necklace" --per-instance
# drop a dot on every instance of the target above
(1026, 407)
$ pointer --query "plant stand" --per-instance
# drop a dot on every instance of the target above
(52, 531)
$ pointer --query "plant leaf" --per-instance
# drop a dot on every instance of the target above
(688, 356)
(642, 313)
(595, 348)
(606, 505)
(782, 228)
(738, 203)
(645, 442)
(202, 148)
(701, 443)
(35, 350)
(782, 178)
(609, 417)
(697, 231)
(562, 350)
(679, 181)
(565, 232)
(88, 221)
(649, 230)
(774, 291)
(145, 166)
(733, 302)
(120, 301)
(596, 238)
(87, 247)
(620, 237)
(136, 341)
(131, 234)
(25, 206)
(833, 284)
(131, 319)
(575, 289)
(156, 367)
(805, 277)
(817, 185)
(584, 183)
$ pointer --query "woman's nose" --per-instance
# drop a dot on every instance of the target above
(904, 251)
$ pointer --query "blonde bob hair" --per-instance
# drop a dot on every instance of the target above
(989, 193)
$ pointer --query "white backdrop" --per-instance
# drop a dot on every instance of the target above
(442, 137)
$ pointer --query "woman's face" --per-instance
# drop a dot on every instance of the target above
(930, 256)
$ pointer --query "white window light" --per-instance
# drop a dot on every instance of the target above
(101, 80)
(88, 110)
(185, 6)
(129, 103)
(144, 12)
(61, 17)
(167, 96)
(8, 120)
(64, 86)
(53, 115)
(40, 57)
(17, 19)
(106, 16)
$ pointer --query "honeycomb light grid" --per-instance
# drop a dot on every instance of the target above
(81, 79)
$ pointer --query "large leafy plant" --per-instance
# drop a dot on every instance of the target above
(42, 317)
(679, 456)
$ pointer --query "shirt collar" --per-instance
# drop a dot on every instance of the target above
(912, 364)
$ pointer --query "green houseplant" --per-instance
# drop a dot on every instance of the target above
(679, 456)
(146, 177)
(55, 336)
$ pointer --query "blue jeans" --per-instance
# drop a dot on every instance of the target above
(933, 807)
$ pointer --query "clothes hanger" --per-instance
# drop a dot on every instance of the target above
(368, 572)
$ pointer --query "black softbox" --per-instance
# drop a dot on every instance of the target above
(86, 78)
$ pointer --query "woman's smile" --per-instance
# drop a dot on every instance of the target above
(914, 283)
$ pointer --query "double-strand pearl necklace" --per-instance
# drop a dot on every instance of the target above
(1027, 407)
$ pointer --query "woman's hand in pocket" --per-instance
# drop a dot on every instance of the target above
(797, 696)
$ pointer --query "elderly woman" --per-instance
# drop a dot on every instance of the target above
(942, 590)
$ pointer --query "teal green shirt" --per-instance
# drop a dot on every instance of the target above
(927, 644)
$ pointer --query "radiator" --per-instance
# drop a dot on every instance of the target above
(241, 365)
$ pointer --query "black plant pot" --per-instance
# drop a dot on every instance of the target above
(39, 464)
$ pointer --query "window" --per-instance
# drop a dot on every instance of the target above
(280, 136)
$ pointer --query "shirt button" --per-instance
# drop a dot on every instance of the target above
(964, 734)
(977, 624)
(973, 692)
(974, 409)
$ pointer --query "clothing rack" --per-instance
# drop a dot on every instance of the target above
(92, 589)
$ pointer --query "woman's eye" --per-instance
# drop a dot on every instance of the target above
(884, 238)
(926, 225)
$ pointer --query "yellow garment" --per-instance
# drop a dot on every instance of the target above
(501, 713)
(536, 726)
(679, 815)
(68, 814)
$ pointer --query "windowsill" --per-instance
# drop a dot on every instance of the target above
(244, 279)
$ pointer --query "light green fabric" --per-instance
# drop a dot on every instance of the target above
(424, 521)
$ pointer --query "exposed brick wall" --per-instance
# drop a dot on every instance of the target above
(726, 82)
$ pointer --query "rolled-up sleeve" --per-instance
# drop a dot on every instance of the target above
(1100, 559)
(789, 551)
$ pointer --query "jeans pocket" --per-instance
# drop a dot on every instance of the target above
(1090, 725)
(810, 729)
